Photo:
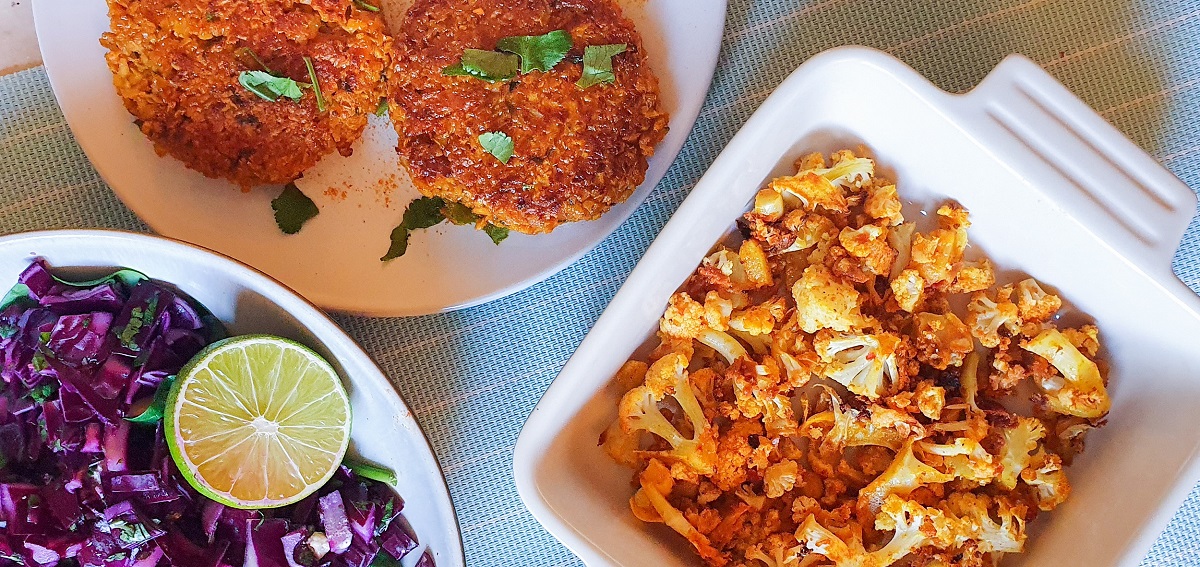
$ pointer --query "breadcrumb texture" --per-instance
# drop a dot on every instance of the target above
(578, 152)
(819, 394)
(175, 63)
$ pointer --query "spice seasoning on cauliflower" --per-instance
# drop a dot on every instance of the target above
(834, 390)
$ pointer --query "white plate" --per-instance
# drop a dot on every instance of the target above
(334, 260)
(1054, 192)
(384, 430)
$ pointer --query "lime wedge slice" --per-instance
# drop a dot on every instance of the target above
(257, 421)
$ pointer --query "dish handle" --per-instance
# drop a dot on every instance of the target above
(1082, 163)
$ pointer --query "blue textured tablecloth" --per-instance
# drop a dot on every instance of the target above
(472, 377)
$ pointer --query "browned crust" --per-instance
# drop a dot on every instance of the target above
(577, 153)
(175, 64)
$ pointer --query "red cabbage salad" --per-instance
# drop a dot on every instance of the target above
(85, 474)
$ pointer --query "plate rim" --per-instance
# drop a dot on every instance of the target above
(328, 331)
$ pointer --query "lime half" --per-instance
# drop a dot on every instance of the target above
(257, 421)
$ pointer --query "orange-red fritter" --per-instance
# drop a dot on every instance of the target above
(176, 65)
(578, 152)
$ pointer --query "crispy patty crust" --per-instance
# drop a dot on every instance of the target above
(176, 64)
(577, 151)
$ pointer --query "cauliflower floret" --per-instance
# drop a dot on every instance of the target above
(869, 244)
(971, 521)
(756, 320)
(900, 238)
(761, 390)
(639, 411)
(1019, 442)
(865, 364)
(848, 170)
(973, 276)
(1082, 393)
(986, 316)
(1085, 338)
(754, 264)
(930, 399)
(1045, 474)
(728, 263)
(812, 191)
(768, 203)
(728, 347)
(684, 317)
(902, 517)
(884, 427)
(965, 458)
(809, 229)
(884, 204)
(650, 504)
(824, 302)
(907, 288)
(906, 474)
(780, 478)
(941, 340)
(717, 311)
(936, 254)
(781, 550)
(1034, 304)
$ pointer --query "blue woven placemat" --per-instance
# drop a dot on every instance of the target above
(473, 376)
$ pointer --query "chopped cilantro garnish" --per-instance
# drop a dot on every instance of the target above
(39, 362)
(498, 144)
(268, 86)
(541, 52)
(459, 213)
(316, 86)
(43, 392)
(385, 519)
(44, 337)
(292, 209)
(138, 318)
(383, 559)
(399, 244)
(487, 65)
(365, 6)
(7, 331)
(597, 64)
(496, 233)
(382, 108)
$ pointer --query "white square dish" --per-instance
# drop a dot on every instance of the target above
(1054, 192)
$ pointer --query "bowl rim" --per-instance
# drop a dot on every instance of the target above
(313, 319)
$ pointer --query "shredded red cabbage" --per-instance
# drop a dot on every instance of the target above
(85, 475)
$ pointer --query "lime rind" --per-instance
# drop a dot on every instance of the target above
(187, 376)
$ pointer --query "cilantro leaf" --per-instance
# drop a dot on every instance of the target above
(154, 412)
(498, 144)
(597, 64)
(382, 108)
(490, 66)
(541, 52)
(293, 209)
(399, 244)
(496, 233)
(459, 213)
(423, 213)
(19, 292)
(268, 86)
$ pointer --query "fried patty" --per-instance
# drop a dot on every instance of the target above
(577, 151)
(176, 64)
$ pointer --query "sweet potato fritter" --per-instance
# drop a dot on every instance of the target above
(176, 65)
(578, 152)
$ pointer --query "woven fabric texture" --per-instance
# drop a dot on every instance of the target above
(473, 376)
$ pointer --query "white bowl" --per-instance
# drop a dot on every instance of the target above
(1054, 192)
(247, 301)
